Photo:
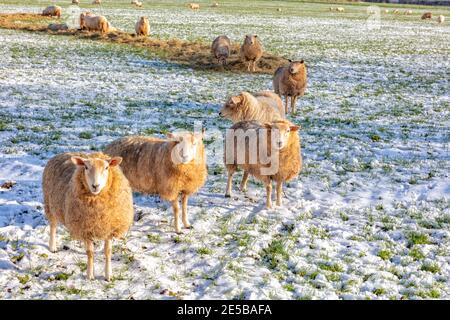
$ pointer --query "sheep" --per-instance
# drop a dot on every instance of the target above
(220, 49)
(137, 3)
(396, 11)
(194, 6)
(52, 11)
(340, 9)
(441, 19)
(90, 196)
(426, 15)
(279, 159)
(290, 81)
(58, 26)
(97, 2)
(215, 5)
(251, 51)
(142, 27)
(92, 22)
(279, 9)
(75, 2)
(263, 106)
(167, 167)
(331, 8)
(408, 12)
(111, 28)
(386, 10)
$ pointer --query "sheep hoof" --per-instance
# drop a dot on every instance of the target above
(227, 195)
(189, 227)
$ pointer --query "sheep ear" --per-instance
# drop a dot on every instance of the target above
(236, 99)
(294, 128)
(79, 161)
(115, 161)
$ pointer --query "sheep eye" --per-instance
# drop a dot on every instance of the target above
(107, 167)
(85, 167)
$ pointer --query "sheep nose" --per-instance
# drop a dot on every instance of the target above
(292, 70)
(95, 186)
(280, 144)
(220, 113)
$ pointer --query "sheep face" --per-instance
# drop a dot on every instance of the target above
(144, 20)
(96, 171)
(250, 39)
(280, 131)
(186, 148)
(232, 107)
(296, 66)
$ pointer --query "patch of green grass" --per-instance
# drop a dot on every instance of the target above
(431, 267)
(375, 138)
(62, 276)
(415, 237)
(385, 254)
(204, 251)
(24, 279)
(275, 253)
(85, 135)
(289, 287)
(155, 238)
(416, 253)
(333, 267)
(379, 291)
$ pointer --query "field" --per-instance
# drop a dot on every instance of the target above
(368, 217)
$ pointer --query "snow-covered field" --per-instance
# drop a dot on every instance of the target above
(368, 217)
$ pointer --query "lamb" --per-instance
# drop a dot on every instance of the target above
(142, 27)
(90, 196)
(426, 15)
(220, 49)
(166, 167)
(264, 106)
(194, 6)
(290, 81)
(92, 22)
(251, 51)
(441, 19)
(52, 11)
(279, 161)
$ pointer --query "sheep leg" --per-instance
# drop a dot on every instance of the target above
(248, 65)
(269, 195)
(293, 103)
(90, 261)
(108, 269)
(244, 181)
(286, 109)
(279, 192)
(176, 214)
(254, 66)
(184, 203)
(52, 241)
(229, 182)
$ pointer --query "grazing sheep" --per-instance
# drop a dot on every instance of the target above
(92, 22)
(386, 10)
(137, 4)
(426, 15)
(220, 49)
(408, 12)
(290, 81)
(331, 8)
(166, 167)
(75, 2)
(58, 26)
(142, 27)
(264, 106)
(52, 11)
(215, 5)
(440, 19)
(251, 51)
(97, 2)
(90, 196)
(279, 160)
(396, 11)
(194, 6)
(279, 10)
(340, 9)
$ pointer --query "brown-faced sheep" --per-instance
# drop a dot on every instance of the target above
(264, 106)
(90, 196)
(194, 6)
(142, 27)
(441, 19)
(427, 15)
(251, 51)
(220, 49)
(52, 11)
(290, 81)
(92, 22)
(272, 153)
(166, 167)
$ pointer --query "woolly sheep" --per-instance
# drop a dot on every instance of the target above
(194, 6)
(75, 2)
(440, 19)
(52, 11)
(264, 106)
(142, 27)
(90, 196)
(280, 161)
(408, 12)
(215, 5)
(340, 9)
(97, 2)
(290, 81)
(426, 15)
(220, 49)
(92, 22)
(251, 51)
(166, 167)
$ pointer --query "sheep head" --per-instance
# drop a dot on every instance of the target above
(96, 171)
(187, 146)
(280, 132)
(234, 106)
(296, 66)
(250, 39)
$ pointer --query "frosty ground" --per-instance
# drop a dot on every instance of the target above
(368, 217)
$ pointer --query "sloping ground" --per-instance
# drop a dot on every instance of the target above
(194, 54)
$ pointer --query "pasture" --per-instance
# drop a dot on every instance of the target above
(367, 218)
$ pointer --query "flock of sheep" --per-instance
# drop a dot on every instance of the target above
(91, 193)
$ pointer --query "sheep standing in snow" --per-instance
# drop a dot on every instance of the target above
(340, 9)
(408, 12)
(264, 106)
(90, 196)
(215, 5)
(290, 81)
(440, 19)
(75, 2)
(220, 49)
(279, 159)
(251, 51)
(194, 6)
(166, 167)
(92, 22)
(426, 15)
(142, 27)
(97, 2)
(52, 11)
